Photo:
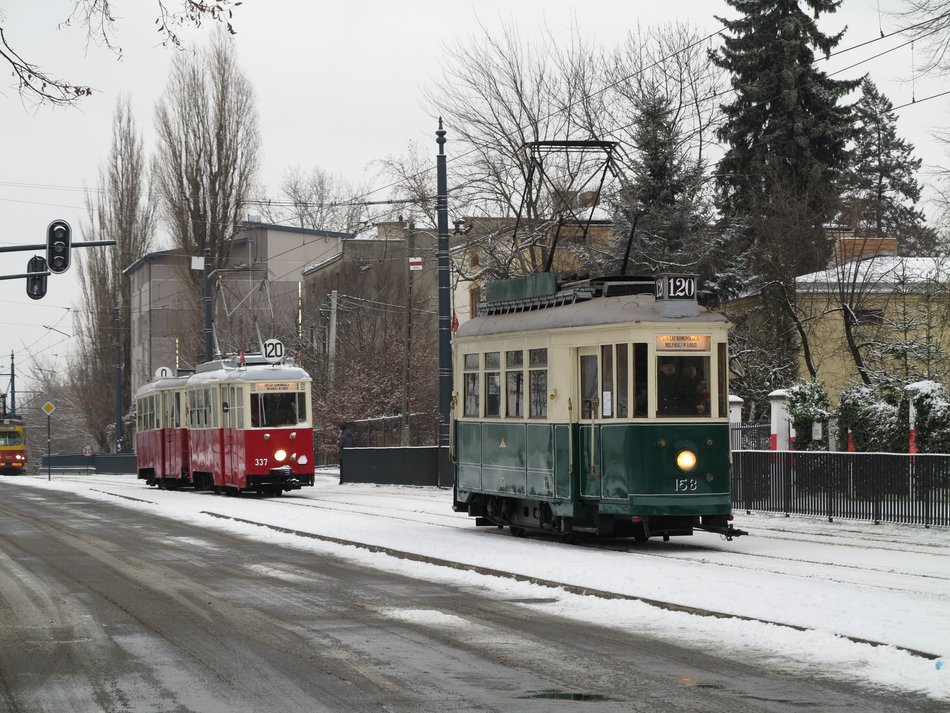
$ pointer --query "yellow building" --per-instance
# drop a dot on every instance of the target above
(887, 315)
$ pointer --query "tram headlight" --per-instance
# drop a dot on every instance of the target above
(686, 460)
(280, 455)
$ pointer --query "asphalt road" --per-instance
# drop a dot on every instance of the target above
(103, 608)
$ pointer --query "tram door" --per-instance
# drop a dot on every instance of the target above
(590, 410)
(231, 458)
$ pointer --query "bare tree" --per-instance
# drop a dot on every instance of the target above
(501, 95)
(930, 20)
(121, 209)
(670, 61)
(317, 200)
(207, 159)
(413, 191)
(67, 425)
(99, 23)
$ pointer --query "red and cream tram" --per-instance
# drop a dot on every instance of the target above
(248, 424)
(161, 433)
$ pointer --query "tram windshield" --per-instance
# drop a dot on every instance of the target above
(682, 386)
(283, 409)
(11, 438)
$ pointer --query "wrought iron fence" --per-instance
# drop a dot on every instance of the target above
(883, 487)
(750, 437)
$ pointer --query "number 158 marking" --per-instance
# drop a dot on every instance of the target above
(685, 484)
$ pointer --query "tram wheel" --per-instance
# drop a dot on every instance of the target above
(517, 531)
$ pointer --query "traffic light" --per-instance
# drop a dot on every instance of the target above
(58, 242)
(36, 284)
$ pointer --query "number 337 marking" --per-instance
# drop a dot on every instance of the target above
(260, 461)
(685, 484)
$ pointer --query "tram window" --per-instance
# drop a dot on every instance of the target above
(514, 376)
(214, 408)
(538, 382)
(682, 386)
(470, 403)
(623, 382)
(10, 438)
(589, 400)
(641, 380)
(237, 407)
(607, 380)
(274, 410)
(492, 384)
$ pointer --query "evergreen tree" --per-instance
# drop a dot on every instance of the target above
(667, 183)
(881, 188)
(785, 127)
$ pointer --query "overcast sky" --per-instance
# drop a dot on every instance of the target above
(339, 85)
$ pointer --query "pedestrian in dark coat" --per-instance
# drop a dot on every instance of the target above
(345, 441)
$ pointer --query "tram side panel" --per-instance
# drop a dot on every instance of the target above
(148, 451)
(205, 455)
(175, 454)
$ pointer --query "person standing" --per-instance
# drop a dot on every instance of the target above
(345, 441)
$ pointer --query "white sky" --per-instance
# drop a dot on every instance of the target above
(884, 583)
(339, 85)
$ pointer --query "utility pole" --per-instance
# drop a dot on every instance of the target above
(445, 317)
(331, 346)
(117, 345)
(209, 341)
(407, 367)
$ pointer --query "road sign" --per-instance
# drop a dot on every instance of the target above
(48, 408)
(415, 263)
(87, 451)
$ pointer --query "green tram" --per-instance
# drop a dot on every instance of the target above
(598, 406)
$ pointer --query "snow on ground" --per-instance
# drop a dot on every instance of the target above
(881, 583)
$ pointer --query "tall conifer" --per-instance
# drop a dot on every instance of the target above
(881, 186)
(785, 126)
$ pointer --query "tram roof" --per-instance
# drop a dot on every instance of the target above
(249, 372)
(598, 311)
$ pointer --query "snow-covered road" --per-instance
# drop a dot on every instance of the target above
(822, 585)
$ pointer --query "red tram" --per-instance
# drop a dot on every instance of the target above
(161, 436)
(235, 425)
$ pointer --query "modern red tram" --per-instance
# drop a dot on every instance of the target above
(12, 445)
(248, 428)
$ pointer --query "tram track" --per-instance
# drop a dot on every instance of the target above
(680, 552)
(554, 584)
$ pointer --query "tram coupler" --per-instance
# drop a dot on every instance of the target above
(733, 532)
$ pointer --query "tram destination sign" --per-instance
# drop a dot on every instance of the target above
(274, 386)
(682, 343)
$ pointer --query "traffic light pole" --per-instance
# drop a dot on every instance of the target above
(42, 246)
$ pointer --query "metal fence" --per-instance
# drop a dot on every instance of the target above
(750, 437)
(883, 487)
